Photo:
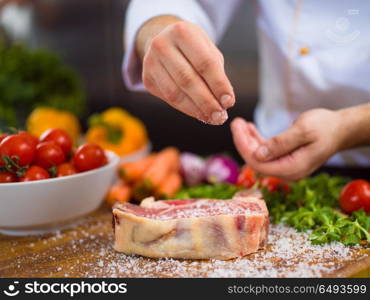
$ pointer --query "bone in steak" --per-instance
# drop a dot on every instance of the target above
(192, 229)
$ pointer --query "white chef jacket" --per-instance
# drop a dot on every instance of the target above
(312, 54)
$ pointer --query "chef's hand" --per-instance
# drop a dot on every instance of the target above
(182, 66)
(314, 137)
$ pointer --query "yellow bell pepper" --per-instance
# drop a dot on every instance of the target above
(44, 118)
(118, 131)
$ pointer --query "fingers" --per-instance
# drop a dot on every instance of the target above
(254, 132)
(161, 85)
(182, 66)
(292, 166)
(245, 143)
(190, 83)
(206, 59)
(282, 144)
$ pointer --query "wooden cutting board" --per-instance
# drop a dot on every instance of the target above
(86, 251)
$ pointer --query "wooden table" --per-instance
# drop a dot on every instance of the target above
(86, 251)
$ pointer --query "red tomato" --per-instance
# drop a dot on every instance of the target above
(355, 195)
(33, 140)
(18, 148)
(3, 136)
(49, 154)
(59, 137)
(88, 157)
(247, 177)
(66, 169)
(7, 177)
(274, 184)
(35, 173)
(105, 161)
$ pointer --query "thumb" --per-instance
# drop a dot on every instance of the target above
(281, 144)
(243, 140)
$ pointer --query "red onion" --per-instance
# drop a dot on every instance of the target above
(192, 168)
(221, 168)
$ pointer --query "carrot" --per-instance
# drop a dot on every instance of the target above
(119, 192)
(165, 162)
(134, 171)
(169, 186)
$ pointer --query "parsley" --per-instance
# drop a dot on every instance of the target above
(31, 78)
(214, 191)
(312, 206)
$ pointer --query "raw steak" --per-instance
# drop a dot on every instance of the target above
(194, 228)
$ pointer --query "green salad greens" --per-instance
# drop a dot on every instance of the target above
(34, 77)
(311, 206)
(214, 191)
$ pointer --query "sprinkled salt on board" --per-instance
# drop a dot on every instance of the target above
(86, 251)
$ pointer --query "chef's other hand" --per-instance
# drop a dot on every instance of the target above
(182, 66)
(314, 137)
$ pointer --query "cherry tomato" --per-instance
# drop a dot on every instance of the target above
(88, 157)
(49, 154)
(35, 173)
(105, 160)
(18, 148)
(59, 137)
(33, 140)
(7, 177)
(274, 184)
(3, 136)
(355, 195)
(66, 169)
(247, 177)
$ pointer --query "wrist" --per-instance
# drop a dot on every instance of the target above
(149, 30)
(354, 126)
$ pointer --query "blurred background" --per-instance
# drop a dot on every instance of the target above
(88, 36)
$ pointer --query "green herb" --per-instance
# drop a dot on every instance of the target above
(214, 191)
(311, 206)
(33, 77)
(11, 165)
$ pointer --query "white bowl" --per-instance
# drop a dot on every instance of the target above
(38, 207)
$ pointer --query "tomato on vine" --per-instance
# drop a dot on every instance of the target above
(32, 139)
(35, 173)
(3, 136)
(65, 169)
(59, 137)
(7, 177)
(88, 157)
(49, 155)
(18, 149)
